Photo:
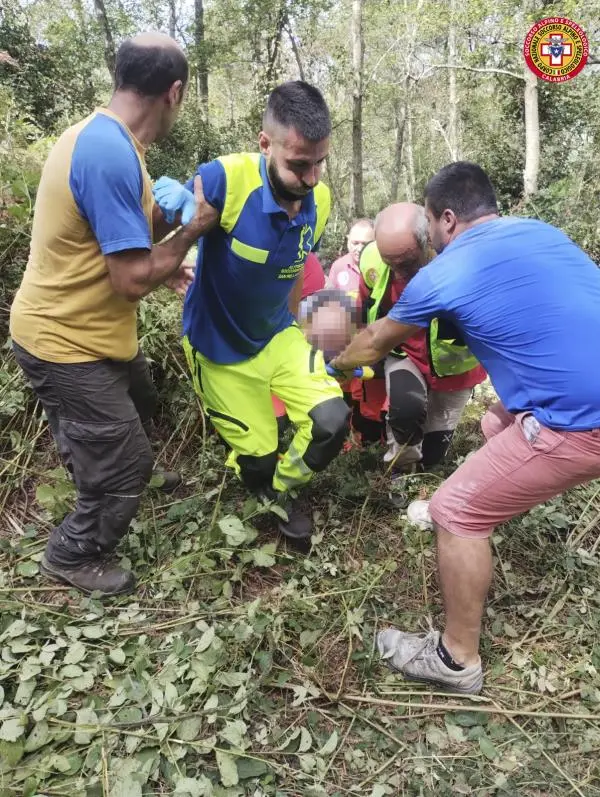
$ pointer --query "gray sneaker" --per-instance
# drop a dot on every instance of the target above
(415, 656)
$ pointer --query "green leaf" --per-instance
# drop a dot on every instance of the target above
(234, 733)
(455, 732)
(60, 763)
(94, 632)
(279, 511)
(10, 755)
(84, 682)
(189, 729)
(206, 640)
(75, 653)
(231, 678)
(263, 556)
(11, 729)
(27, 569)
(125, 787)
(71, 671)
(227, 769)
(305, 741)
(487, 748)
(379, 790)
(329, 746)
(436, 737)
(235, 531)
(510, 631)
(309, 638)
(85, 716)
(190, 787)
(117, 656)
(39, 736)
(251, 768)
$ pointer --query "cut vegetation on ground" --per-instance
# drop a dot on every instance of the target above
(240, 668)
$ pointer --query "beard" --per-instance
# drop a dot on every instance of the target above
(280, 189)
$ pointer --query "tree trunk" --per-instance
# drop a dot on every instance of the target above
(295, 48)
(172, 19)
(532, 136)
(452, 94)
(274, 47)
(410, 162)
(400, 114)
(356, 189)
(201, 58)
(109, 43)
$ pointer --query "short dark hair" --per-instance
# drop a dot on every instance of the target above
(464, 188)
(149, 70)
(299, 105)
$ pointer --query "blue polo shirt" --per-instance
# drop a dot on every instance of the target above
(527, 301)
(246, 266)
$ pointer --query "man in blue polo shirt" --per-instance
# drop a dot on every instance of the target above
(240, 333)
(525, 299)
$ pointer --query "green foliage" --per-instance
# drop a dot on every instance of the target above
(50, 87)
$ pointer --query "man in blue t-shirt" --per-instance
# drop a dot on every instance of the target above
(241, 338)
(526, 300)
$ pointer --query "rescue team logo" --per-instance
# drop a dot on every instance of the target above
(556, 49)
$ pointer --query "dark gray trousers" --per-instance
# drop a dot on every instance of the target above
(97, 412)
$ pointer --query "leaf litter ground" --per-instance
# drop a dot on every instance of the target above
(242, 668)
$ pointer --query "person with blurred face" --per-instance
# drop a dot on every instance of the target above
(73, 321)
(525, 299)
(427, 382)
(241, 338)
(344, 274)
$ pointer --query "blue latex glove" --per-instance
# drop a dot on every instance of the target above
(172, 197)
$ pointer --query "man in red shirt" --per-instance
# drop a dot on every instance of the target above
(429, 379)
(344, 274)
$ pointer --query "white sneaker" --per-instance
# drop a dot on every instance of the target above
(418, 514)
(416, 657)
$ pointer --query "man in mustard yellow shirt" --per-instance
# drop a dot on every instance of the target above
(73, 320)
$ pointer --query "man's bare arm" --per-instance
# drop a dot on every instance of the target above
(373, 343)
(160, 226)
(136, 272)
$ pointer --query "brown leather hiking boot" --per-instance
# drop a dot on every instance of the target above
(101, 575)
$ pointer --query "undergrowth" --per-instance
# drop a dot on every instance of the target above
(242, 668)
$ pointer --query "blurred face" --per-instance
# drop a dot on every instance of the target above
(173, 101)
(294, 164)
(442, 230)
(359, 236)
(329, 328)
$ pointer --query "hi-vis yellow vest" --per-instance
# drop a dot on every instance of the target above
(448, 356)
(243, 177)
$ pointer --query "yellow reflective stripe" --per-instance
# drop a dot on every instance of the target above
(242, 173)
(323, 205)
(249, 252)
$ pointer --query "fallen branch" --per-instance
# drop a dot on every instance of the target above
(506, 712)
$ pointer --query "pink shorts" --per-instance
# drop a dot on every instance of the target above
(522, 464)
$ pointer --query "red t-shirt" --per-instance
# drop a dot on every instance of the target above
(416, 347)
(314, 276)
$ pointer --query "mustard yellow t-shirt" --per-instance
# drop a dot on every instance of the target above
(94, 199)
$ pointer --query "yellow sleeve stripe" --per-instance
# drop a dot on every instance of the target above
(242, 174)
(249, 252)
